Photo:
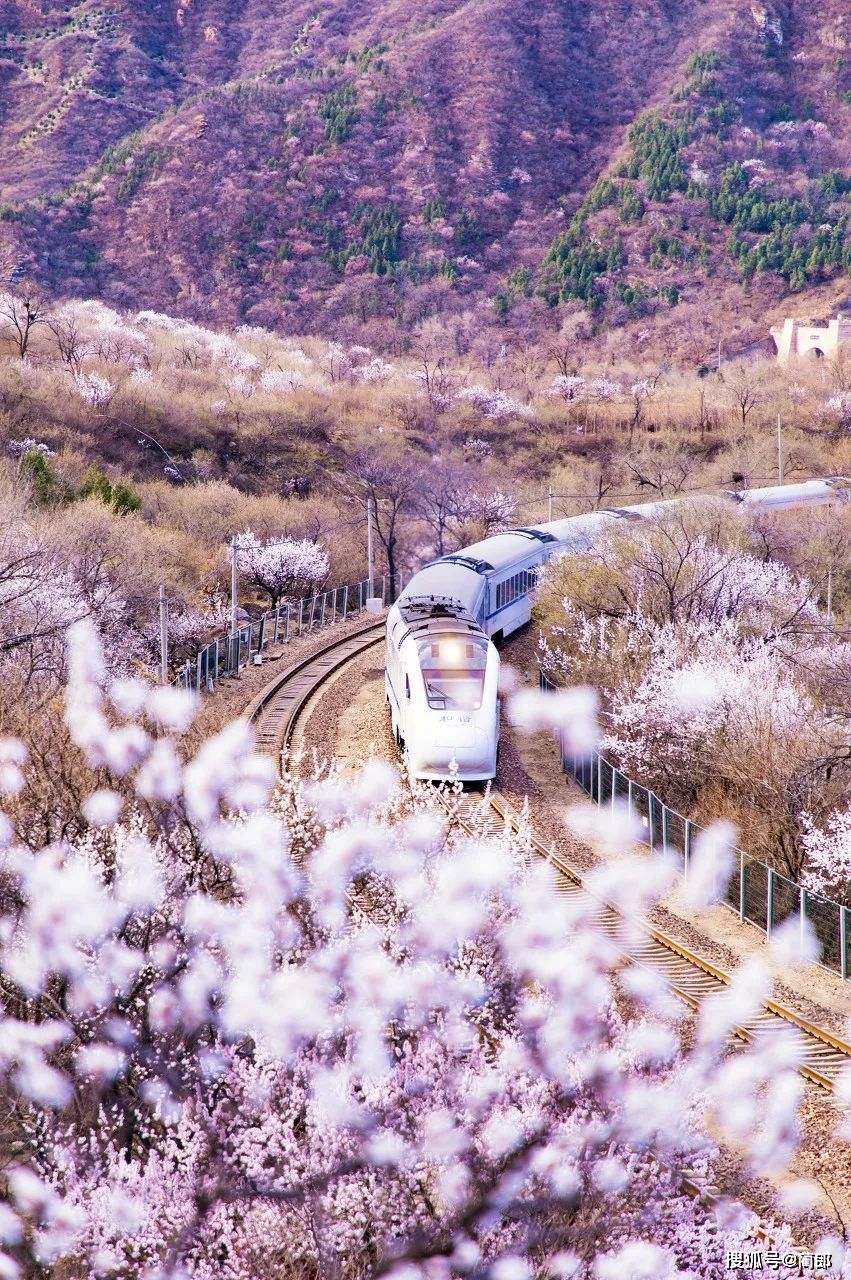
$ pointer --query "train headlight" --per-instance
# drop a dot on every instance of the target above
(452, 651)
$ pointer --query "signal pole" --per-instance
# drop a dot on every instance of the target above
(830, 596)
(370, 560)
(234, 633)
(163, 637)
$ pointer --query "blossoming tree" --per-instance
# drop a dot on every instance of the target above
(281, 566)
(314, 1031)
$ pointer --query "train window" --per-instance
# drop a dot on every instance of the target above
(454, 677)
(510, 589)
(407, 685)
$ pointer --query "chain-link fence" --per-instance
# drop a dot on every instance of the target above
(225, 657)
(754, 891)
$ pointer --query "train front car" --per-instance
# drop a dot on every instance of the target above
(441, 678)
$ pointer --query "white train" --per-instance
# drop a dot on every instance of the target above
(442, 667)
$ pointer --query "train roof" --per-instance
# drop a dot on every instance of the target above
(501, 550)
(445, 580)
(577, 533)
(426, 617)
(806, 493)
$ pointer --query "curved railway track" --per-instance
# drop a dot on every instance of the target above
(274, 713)
(277, 707)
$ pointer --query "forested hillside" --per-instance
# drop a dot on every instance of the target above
(667, 168)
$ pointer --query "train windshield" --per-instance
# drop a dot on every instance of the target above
(453, 669)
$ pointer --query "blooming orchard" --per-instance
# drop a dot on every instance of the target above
(314, 1030)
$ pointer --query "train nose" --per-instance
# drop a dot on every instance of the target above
(458, 735)
(471, 752)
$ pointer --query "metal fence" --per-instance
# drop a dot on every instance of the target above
(226, 656)
(754, 891)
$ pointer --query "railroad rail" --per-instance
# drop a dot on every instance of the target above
(274, 713)
(277, 707)
(689, 975)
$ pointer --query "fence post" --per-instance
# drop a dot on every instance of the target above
(360, 597)
(322, 614)
(300, 612)
(843, 941)
(803, 894)
(741, 884)
(345, 601)
(287, 624)
(277, 624)
(629, 797)
(216, 672)
(599, 779)
(769, 906)
(198, 672)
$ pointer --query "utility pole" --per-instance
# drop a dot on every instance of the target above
(780, 447)
(550, 502)
(233, 605)
(163, 637)
(830, 596)
(369, 548)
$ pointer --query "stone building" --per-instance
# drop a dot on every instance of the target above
(794, 339)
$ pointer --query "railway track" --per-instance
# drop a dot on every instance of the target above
(276, 708)
(274, 714)
(690, 976)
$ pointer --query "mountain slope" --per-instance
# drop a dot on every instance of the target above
(380, 164)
